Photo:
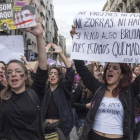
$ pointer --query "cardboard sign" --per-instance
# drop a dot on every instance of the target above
(20, 14)
(11, 47)
(107, 37)
(31, 65)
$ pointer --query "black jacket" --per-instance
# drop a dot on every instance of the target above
(20, 116)
(62, 99)
(126, 98)
(79, 103)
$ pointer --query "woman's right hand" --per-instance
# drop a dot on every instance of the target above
(48, 47)
(73, 32)
(23, 58)
(88, 105)
(37, 30)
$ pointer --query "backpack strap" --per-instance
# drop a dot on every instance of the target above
(33, 97)
(96, 93)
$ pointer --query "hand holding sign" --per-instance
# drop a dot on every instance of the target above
(73, 32)
(36, 31)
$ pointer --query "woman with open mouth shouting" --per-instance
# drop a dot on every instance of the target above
(111, 116)
(56, 106)
(20, 112)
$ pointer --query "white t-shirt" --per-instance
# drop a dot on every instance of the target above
(109, 117)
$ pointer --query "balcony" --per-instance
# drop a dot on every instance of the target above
(44, 34)
(37, 2)
(120, 3)
(43, 23)
(137, 3)
(132, 6)
(118, 8)
(42, 10)
(43, 2)
(128, 9)
(113, 10)
(124, 1)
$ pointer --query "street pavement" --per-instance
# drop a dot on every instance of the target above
(73, 135)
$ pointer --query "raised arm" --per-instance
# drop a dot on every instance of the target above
(38, 32)
(69, 77)
(88, 79)
(58, 50)
(39, 82)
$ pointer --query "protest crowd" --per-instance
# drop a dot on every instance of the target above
(45, 102)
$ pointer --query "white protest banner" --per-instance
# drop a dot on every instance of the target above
(107, 37)
(11, 47)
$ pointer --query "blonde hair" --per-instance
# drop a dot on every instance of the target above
(6, 92)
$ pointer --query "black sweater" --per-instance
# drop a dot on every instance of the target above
(80, 104)
(20, 118)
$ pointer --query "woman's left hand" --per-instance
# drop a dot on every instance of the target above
(57, 49)
(37, 30)
(48, 47)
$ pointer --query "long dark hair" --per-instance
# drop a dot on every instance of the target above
(124, 81)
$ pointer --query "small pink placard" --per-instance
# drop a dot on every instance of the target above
(20, 3)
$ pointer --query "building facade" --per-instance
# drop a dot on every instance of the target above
(62, 43)
(124, 6)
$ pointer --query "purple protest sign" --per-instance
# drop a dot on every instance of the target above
(137, 119)
(63, 64)
(20, 3)
(51, 61)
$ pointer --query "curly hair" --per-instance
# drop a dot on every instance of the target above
(124, 81)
